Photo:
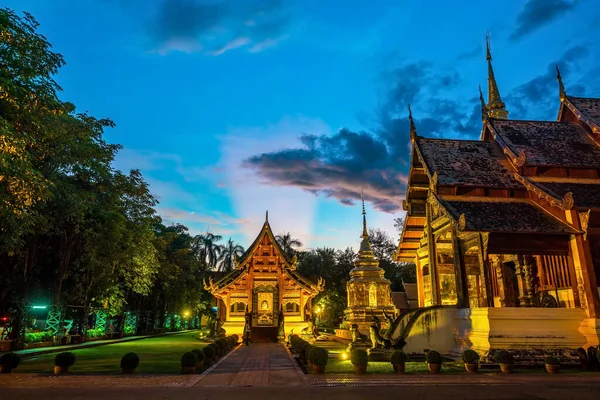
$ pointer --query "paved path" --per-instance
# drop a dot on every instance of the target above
(260, 364)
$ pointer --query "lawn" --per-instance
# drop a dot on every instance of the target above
(160, 355)
(336, 366)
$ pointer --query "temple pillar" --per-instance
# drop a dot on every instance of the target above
(420, 288)
(460, 273)
(498, 264)
(529, 276)
(435, 297)
(579, 250)
(485, 270)
(524, 300)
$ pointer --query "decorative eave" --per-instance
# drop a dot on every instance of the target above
(580, 116)
(266, 230)
(312, 288)
(215, 288)
(518, 160)
(566, 203)
(460, 223)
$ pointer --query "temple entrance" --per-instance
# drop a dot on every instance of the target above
(265, 304)
(511, 284)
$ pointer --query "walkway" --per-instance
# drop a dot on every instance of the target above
(261, 364)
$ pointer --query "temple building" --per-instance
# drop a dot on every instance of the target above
(266, 286)
(507, 228)
(369, 293)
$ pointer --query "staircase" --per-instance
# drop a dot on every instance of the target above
(264, 334)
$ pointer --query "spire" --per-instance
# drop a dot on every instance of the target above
(365, 234)
(364, 244)
(413, 129)
(484, 110)
(561, 87)
(267, 217)
(496, 107)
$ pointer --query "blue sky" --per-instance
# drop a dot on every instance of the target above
(233, 107)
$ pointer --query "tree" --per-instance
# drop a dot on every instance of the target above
(288, 243)
(230, 251)
(208, 248)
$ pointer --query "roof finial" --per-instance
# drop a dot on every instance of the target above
(496, 107)
(561, 87)
(413, 129)
(267, 216)
(365, 234)
(484, 111)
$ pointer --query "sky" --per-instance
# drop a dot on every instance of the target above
(234, 107)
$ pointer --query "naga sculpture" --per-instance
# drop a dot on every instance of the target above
(358, 337)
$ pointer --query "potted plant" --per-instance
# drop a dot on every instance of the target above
(129, 363)
(200, 356)
(188, 363)
(209, 355)
(318, 358)
(63, 361)
(434, 361)
(399, 361)
(305, 354)
(8, 362)
(552, 364)
(471, 360)
(506, 361)
(360, 360)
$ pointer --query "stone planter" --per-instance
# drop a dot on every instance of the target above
(318, 369)
(5, 369)
(507, 368)
(434, 368)
(360, 369)
(60, 370)
(199, 366)
(188, 370)
(553, 369)
(6, 345)
(471, 368)
(399, 368)
(128, 371)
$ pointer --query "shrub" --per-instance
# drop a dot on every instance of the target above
(36, 337)
(307, 351)
(504, 357)
(470, 357)
(221, 345)
(551, 360)
(200, 354)
(95, 333)
(189, 360)
(64, 359)
(399, 357)
(433, 357)
(130, 361)
(300, 346)
(235, 339)
(318, 356)
(359, 357)
(10, 360)
(209, 352)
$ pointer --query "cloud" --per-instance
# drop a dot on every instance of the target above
(215, 27)
(477, 51)
(540, 94)
(340, 165)
(537, 13)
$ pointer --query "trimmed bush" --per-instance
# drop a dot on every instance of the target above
(359, 357)
(235, 339)
(10, 361)
(433, 357)
(504, 357)
(65, 359)
(551, 360)
(318, 356)
(130, 361)
(36, 337)
(209, 352)
(189, 360)
(200, 354)
(470, 357)
(398, 357)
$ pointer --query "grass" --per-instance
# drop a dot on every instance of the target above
(346, 367)
(160, 355)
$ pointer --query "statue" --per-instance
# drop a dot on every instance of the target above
(218, 328)
(358, 337)
(247, 328)
(377, 340)
(583, 359)
(390, 325)
(593, 361)
(280, 326)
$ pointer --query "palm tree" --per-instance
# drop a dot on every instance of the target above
(288, 243)
(228, 254)
(207, 248)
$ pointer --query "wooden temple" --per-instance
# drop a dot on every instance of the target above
(266, 286)
(511, 220)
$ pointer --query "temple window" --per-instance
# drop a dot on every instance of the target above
(292, 307)
(238, 307)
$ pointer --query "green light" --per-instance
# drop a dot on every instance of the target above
(39, 307)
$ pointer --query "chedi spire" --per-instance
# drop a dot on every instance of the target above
(495, 107)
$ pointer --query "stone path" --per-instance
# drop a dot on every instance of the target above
(261, 364)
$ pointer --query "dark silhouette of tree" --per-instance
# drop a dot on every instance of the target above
(208, 249)
(288, 243)
(228, 254)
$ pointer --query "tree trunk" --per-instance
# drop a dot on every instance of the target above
(66, 249)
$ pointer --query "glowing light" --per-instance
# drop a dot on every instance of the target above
(318, 309)
(40, 307)
(214, 309)
(186, 314)
(344, 356)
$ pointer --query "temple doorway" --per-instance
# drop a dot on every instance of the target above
(265, 305)
(511, 284)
